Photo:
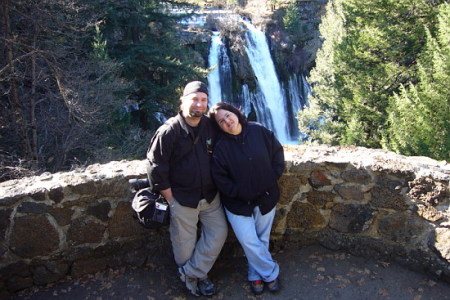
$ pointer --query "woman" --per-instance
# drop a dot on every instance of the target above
(247, 162)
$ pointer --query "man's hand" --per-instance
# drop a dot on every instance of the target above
(167, 194)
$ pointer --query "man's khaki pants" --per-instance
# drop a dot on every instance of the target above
(197, 256)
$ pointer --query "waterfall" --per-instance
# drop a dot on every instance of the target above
(219, 77)
(298, 90)
(273, 104)
(269, 103)
(306, 91)
(214, 88)
(246, 100)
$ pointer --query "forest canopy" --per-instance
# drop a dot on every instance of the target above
(84, 81)
(382, 77)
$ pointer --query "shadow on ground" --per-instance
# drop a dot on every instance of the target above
(309, 273)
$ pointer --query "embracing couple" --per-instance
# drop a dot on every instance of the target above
(210, 170)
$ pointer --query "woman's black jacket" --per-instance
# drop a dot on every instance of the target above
(246, 168)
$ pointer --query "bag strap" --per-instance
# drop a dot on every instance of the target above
(196, 138)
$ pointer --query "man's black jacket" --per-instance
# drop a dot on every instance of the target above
(180, 159)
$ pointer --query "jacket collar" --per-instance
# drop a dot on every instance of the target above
(185, 126)
(239, 137)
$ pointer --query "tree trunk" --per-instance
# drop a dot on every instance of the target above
(13, 95)
(34, 140)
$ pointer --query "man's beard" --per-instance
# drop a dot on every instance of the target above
(195, 114)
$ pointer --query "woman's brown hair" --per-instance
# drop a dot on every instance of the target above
(226, 106)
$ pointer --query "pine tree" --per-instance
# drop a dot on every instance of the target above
(142, 36)
(319, 121)
(370, 49)
(419, 116)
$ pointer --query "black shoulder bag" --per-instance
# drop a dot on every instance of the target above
(152, 210)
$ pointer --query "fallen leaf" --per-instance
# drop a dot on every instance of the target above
(429, 282)
(383, 292)
(341, 278)
(384, 264)
(340, 256)
(320, 277)
(105, 285)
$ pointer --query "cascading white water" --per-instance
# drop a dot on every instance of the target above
(294, 93)
(246, 100)
(306, 92)
(297, 97)
(270, 101)
(214, 87)
(219, 77)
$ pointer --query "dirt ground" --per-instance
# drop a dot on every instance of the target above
(309, 273)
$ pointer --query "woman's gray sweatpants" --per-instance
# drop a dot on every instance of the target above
(197, 256)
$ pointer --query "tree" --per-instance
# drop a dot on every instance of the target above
(70, 71)
(419, 122)
(372, 50)
(143, 38)
(56, 91)
(319, 121)
(10, 78)
(291, 18)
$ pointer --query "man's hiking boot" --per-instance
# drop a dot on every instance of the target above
(191, 282)
(206, 287)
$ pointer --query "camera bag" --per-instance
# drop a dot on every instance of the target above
(152, 210)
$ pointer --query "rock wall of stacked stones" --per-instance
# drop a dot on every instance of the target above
(368, 202)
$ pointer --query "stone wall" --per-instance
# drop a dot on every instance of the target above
(368, 202)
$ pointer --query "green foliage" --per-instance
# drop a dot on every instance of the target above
(99, 45)
(143, 38)
(419, 115)
(291, 18)
(370, 51)
(320, 120)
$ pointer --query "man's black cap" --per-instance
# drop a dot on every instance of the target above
(195, 86)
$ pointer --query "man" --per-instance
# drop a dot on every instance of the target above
(179, 168)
